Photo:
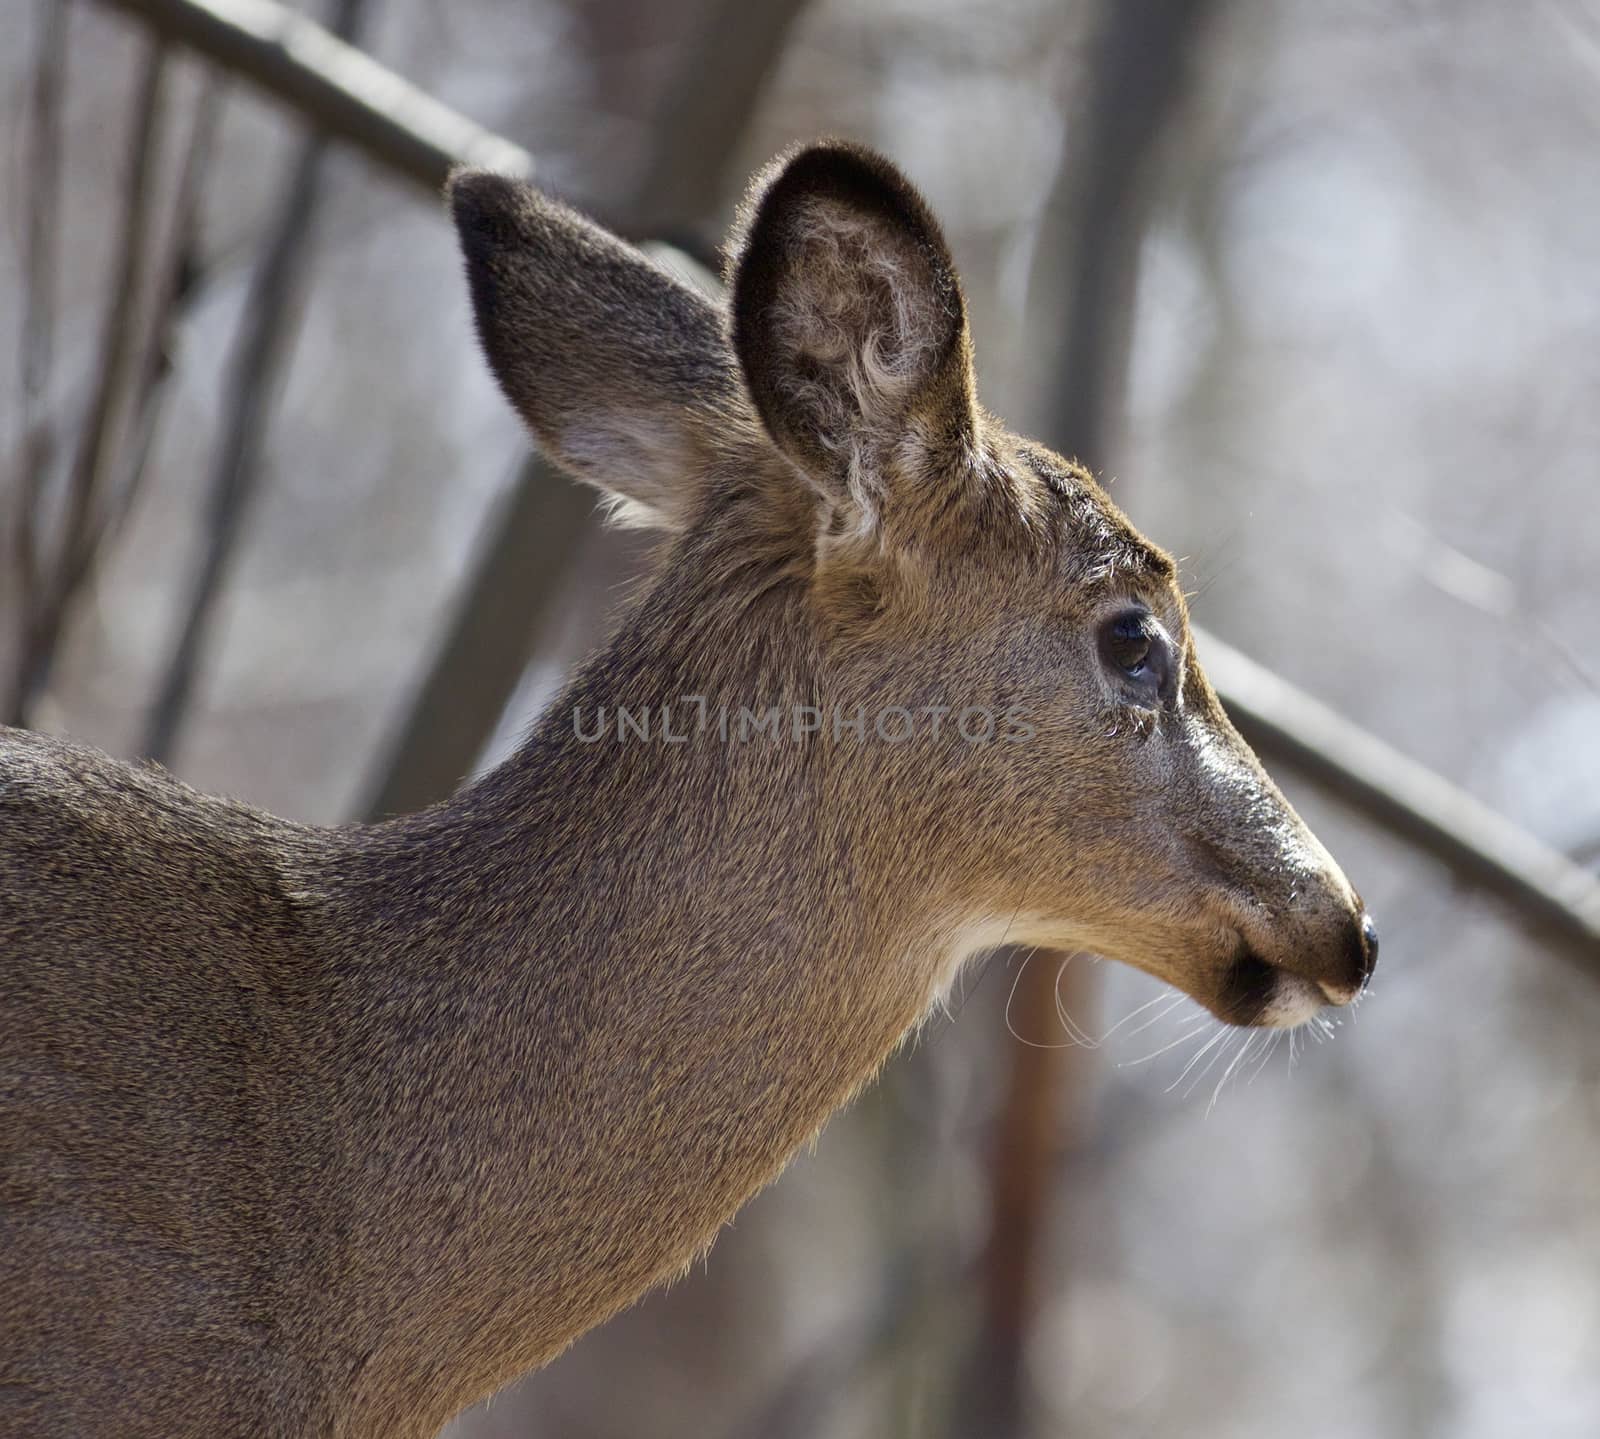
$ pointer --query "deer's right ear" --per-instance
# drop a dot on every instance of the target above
(622, 371)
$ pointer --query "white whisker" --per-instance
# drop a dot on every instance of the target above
(1266, 1055)
(1075, 1031)
(1022, 968)
(1222, 1049)
(1227, 1074)
(1168, 1002)
(1199, 1054)
(1199, 1025)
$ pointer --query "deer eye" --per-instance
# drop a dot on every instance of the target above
(1126, 642)
(1135, 648)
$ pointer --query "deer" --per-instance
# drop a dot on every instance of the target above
(335, 1131)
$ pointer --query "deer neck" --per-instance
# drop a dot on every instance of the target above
(608, 990)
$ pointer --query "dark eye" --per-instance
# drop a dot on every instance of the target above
(1126, 642)
(1136, 649)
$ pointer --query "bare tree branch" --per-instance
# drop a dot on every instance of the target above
(516, 573)
(699, 123)
(1028, 1137)
(339, 89)
(1097, 212)
(117, 345)
(40, 264)
(74, 553)
(266, 333)
(179, 281)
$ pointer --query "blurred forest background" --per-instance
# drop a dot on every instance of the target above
(1317, 288)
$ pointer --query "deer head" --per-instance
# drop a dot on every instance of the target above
(1006, 723)
(334, 1131)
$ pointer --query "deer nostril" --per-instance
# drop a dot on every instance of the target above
(1369, 945)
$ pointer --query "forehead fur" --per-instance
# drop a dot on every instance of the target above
(1091, 541)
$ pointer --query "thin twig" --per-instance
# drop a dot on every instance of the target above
(75, 551)
(180, 282)
(117, 345)
(266, 331)
(41, 266)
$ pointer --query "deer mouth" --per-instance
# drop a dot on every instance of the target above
(1256, 994)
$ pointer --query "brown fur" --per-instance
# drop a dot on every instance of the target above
(334, 1132)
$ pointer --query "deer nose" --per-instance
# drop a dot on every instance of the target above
(1369, 944)
(1361, 953)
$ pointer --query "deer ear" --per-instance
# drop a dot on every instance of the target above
(623, 373)
(850, 326)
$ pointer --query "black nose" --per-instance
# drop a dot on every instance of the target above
(1369, 946)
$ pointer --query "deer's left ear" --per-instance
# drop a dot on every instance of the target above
(849, 324)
